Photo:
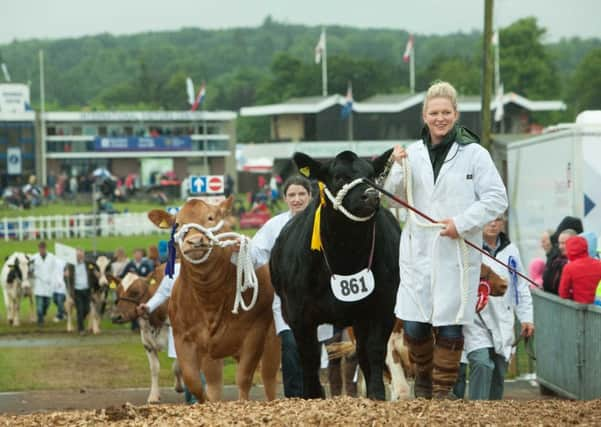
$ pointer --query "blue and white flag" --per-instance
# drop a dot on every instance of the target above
(347, 109)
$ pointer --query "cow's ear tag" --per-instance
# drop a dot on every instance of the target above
(163, 224)
(90, 267)
(152, 281)
(113, 285)
(305, 171)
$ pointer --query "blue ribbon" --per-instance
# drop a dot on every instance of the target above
(512, 262)
(170, 267)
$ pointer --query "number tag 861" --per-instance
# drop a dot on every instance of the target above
(354, 287)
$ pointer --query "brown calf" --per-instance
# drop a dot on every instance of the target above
(200, 309)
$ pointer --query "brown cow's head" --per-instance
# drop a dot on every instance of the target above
(361, 200)
(498, 285)
(194, 245)
(131, 291)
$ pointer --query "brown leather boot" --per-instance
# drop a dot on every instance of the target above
(420, 354)
(447, 355)
(350, 366)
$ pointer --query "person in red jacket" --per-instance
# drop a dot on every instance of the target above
(581, 274)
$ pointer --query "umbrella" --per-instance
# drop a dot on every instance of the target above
(101, 173)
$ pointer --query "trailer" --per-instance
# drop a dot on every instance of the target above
(550, 176)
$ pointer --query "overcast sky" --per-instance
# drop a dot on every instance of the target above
(24, 19)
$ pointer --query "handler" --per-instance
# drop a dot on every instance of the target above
(455, 181)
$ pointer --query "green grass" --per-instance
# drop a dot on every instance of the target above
(118, 365)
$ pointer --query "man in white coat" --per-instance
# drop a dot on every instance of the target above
(44, 270)
(489, 338)
(449, 176)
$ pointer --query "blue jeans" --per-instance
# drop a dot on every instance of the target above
(59, 301)
(421, 331)
(292, 371)
(42, 303)
(459, 387)
(487, 374)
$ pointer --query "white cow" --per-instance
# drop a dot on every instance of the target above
(16, 279)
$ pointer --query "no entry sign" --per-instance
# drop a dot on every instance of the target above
(207, 184)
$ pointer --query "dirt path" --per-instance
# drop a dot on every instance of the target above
(54, 400)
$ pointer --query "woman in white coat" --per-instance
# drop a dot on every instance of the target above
(297, 194)
(489, 338)
(449, 176)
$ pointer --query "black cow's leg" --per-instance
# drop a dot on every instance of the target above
(371, 350)
(309, 351)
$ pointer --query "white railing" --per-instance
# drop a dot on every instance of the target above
(76, 225)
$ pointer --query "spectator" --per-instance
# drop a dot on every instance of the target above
(536, 270)
(490, 336)
(44, 267)
(153, 256)
(545, 241)
(556, 261)
(60, 290)
(139, 265)
(591, 240)
(82, 291)
(119, 262)
(582, 273)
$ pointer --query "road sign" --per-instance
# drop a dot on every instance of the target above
(206, 184)
(198, 184)
(215, 184)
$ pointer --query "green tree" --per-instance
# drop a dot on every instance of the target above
(463, 73)
(585, 88)
(526, 66)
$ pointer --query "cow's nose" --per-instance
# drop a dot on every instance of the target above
(371, 197)
(195, 241)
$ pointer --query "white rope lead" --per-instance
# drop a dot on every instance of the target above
(246, 278)
(462, 254)
(337, 201)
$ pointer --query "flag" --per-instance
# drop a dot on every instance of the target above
(199, 98)
(5, 72)
(348, 104)
(320, 48)
(408, 49)
(190, 90)
(499, 111)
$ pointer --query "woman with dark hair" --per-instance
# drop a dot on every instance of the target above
(297, 194)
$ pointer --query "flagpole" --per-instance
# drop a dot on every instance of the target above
(324, 65)
(412, 69)
(42, 121)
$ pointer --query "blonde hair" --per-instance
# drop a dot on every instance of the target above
(440, 89)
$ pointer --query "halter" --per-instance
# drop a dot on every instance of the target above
(337, 200)
(132, 300)
(246, 278)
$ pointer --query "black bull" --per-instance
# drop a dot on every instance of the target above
(301, 275)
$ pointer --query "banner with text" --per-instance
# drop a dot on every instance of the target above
(149, 143)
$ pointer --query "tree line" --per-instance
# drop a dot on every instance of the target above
(274, 62)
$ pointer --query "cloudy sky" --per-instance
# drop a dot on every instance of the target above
(24, 19)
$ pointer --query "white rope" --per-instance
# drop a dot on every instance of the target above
(337, 201)
(246, 278)
(462, 255)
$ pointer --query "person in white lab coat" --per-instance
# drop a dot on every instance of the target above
(44, 270)
(453, 180)
(490, 337)
(297, 194)
(59, 294)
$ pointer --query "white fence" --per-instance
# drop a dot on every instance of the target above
(78, 225)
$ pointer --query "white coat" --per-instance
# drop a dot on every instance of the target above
(161, 295)
(261, 246)
(59, 285)
(44, 270)
(494, 327)
(470, 191)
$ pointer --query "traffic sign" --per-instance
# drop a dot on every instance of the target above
(207, 184)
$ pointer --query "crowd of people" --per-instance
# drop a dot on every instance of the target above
(572, 268)
(53, 275)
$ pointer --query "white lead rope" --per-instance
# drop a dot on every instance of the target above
(462, 254)
(337, 201)
(246, 278)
